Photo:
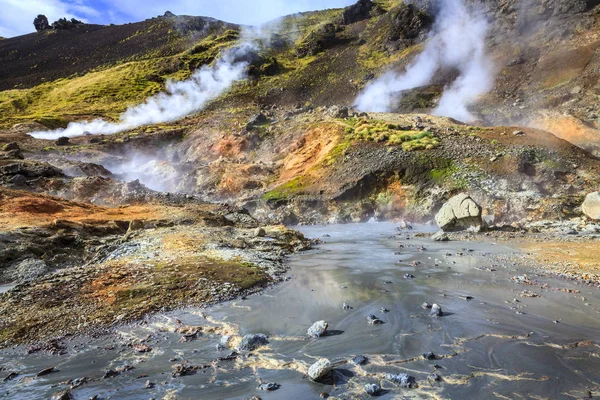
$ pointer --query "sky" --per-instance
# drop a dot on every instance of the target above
(16, 16)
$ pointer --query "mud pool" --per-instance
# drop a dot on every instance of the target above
(499, 337)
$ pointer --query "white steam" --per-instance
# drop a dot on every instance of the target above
(179, 99)
(457, 41)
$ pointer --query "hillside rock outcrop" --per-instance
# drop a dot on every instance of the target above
(461, 212)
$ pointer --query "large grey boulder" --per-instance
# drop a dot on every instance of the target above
(591, 206)
(318, 329)
(460, 213)
(252, 342)
(320, 370)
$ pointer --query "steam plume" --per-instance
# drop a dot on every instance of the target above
(178, 100)
(457, 41)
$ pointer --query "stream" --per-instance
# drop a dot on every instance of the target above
(537, 338)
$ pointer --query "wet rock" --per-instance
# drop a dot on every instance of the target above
(110, 374)
(222, 345)
(429, 356)
(403, 380)
(47, 371)
(440, 236)
(436, 311)
(373, 320)
(461, 212)
(384, 310)
(372, 389)
(63, 395)
(346, 307)
(10, 377)
(318, 329)
(426, 306)
(359, 360)
(252, 342)
(591, 206)
(269, 386)
(75, 383)
(186, 370)
(408, 276)
(320, 370)
(149, 385)
(324, 395)
(62, 141)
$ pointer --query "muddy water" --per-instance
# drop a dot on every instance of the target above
(496, 345)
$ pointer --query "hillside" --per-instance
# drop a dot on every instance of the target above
(291, 163)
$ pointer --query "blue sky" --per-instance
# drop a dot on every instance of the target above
(16, 16)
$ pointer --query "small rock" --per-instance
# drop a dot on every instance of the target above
(252, 342)
(429, 356)
(440, 236)
(518, 133)
(320, 370)
(269, 386)
(63, 395)
(346, 307)
(318, 329)
(384, 310)
(11, 146)
(359, 360)
(62, 141)
(426, 306)
(436, 311)
(47, 371)
(260, 232)
(372, 389)
(403, 380)
(149, 385)
(408, 276)
(373, 320)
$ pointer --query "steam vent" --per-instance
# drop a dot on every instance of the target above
(278, 200)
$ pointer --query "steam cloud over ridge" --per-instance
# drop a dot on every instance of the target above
(457, 41)
(178, 100)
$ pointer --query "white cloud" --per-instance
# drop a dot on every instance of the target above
(17, 16)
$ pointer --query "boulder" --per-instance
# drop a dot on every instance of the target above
(320, 370)
(338, 112)
(318, 329)
(591, 206)
(252, 342)
(357, 12)
(461, 212)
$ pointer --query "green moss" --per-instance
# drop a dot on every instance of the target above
(287, 190)
(389, 134)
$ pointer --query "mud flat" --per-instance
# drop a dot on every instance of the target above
(505, 331)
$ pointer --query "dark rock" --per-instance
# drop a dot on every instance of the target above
(252, 342)
(62, 141)
(318, 329)
(256, 120)
(357, 12)
(317, 40)
(10, 377)
(41, 23)
(429, 356)
(372, 389)
(373, 320)
(47, 371)
(11, 146)
(269, 386)
(359, 360)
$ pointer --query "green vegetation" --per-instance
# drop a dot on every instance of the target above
(286, 190)
(390, 134)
